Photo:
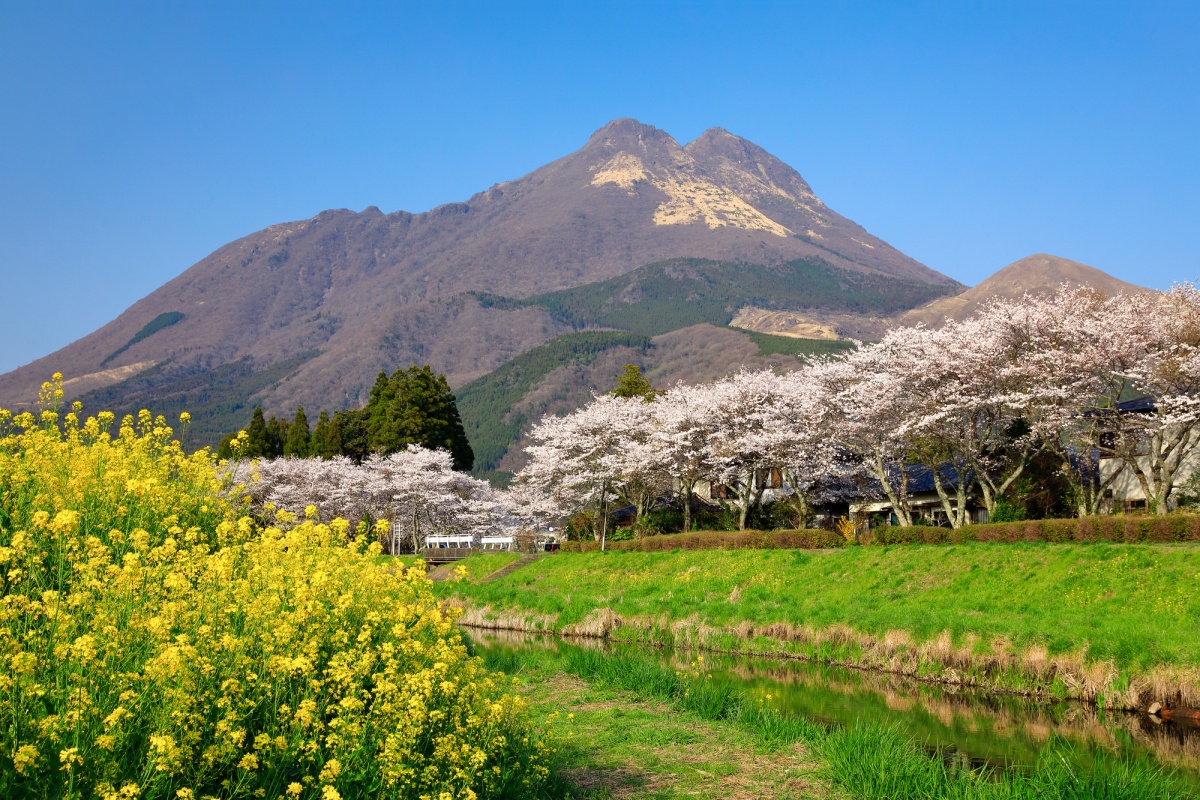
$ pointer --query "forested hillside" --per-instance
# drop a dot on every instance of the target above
(669, 295)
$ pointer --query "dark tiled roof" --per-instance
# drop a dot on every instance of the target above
(920, 479)
(1137, 404)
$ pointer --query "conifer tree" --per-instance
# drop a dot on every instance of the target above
(275, 438)
(299, 440)
(352, 429)
(416, 406)
(257, 444)
(632, 383)
(225, 448)
(327, 438)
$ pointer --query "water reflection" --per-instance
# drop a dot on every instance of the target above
(965, 725)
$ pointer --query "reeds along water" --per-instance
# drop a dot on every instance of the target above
(1001, 668)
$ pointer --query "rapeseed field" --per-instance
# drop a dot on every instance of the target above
(156, 642)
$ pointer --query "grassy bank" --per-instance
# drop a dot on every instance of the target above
(650, 730)
(1109, 623)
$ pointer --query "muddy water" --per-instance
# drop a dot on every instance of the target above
(1003, 732)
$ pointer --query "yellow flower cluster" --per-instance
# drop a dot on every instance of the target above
(153, 643)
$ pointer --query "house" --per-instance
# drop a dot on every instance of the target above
(1121, 482)
(925, 505)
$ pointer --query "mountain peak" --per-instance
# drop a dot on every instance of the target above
(1040, 273)
(627, 132)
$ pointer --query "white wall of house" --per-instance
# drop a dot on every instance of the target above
(1126, 488)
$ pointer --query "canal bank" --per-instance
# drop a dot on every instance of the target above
(837, 733)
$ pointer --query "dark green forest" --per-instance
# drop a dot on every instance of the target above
(412, 406)
(669, 295)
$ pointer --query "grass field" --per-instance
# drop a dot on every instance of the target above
(481, 565)
(634, 727)
(1086, 621)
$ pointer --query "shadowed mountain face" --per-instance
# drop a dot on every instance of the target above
(343, 295)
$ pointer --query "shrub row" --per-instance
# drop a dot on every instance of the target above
(1173, 528)
(809, 539)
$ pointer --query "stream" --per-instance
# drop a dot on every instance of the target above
(968, 726)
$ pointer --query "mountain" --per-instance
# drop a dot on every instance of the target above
(310, 311)
(1036, 274)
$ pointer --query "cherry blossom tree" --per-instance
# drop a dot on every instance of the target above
(751, 435)
(416, 491)
(683, 427)
(581, 459)
(815, 466)
(974, 401)
(1148, 345)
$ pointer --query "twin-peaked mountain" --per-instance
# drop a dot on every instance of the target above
(664, 245)
(310, 311)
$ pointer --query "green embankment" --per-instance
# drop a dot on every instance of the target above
(487, 405)
(1089, 621)
(481, 565)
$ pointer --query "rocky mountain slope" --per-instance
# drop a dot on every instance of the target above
(309, 311)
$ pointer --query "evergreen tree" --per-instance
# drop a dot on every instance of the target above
(257, 445)
(327, 438)
(416, 406)
(632, 384)
(352, 429)
(299, 441)
(274, 438)
(225, 448)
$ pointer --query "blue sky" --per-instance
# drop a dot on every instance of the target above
(137, 138)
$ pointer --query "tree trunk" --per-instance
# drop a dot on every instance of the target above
(956, 515)
(898, 499)
(603, 516)
(686, 489)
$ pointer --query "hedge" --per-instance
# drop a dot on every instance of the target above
(807, 539)
(1172, 528)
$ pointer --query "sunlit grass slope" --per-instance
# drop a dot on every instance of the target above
(1096, 614)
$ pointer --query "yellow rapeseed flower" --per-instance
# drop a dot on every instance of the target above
(25, 757)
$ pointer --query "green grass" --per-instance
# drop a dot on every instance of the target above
(1136, 605)
(863, 760)
(480, 565)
